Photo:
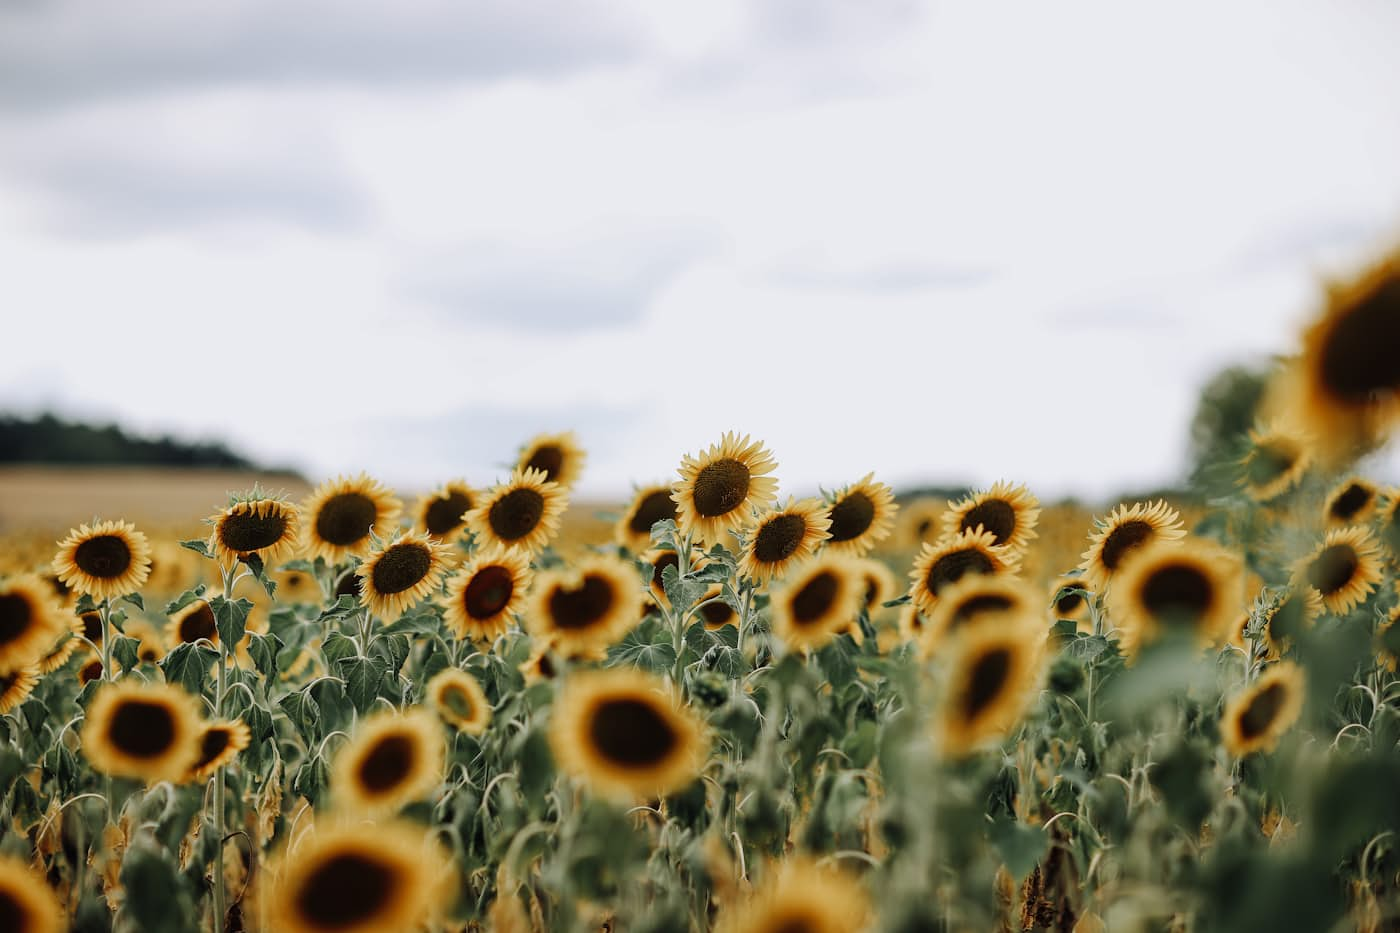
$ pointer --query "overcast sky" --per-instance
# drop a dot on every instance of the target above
(929, 239)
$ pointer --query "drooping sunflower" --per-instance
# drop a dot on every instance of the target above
(650, 504)
(140, 730)
(1121, 533)
(487, 594)
(1002, 601)
(219, 744)
(991, 679)
(1277, 459)
(714, 610)
(16, 686)
(521, 513)
(441, 512)
(920, 522)
(1169, 586)
(586, 607)
(558, 456)
(1344, 569)
(1008, 512)
(192, 623)
(1069, 599)
(781, 537)
(342, 513)
(105, 560)
(401, 573)
(720, 489)
(27, 903)
(29, 622)
(1389, 522)
(392, 759)
(1351, 502)
(1258, 715)
(1294, 613)
(862, 515)
(459, 700)
(255, 525)
(821, 599)
(625, 734)
(801, 897)
(940, 565)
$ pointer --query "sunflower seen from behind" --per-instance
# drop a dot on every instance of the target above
(459, 700)
(1123, 532)
(862, 515)
(255, 525)
(441, 513)
(1344, 569)
(940, 565)
(522, 513)
(391, 760)
(782, 537)
(649, 505)
(399, 574)
(721, 488)
(1256, 717)
(342, 514)
(1008, 512)
(585, 607)
(146, 731)
(27, 903)
(1190, 588)
(820, 600)
(105, 560)
(30, 623)
(991, 675)
(488, 594)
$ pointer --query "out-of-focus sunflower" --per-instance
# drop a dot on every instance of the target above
(715, 611)
(1344, 569)
(880, 584)
(586, 607)
(1351, 502)
(16, 686)
(1388, 640)
(912, 625)
(255, 525)
(1258, 715)
(625, 735)
(27, 903)
(105, 560)
(821, 599)
(720, 489)
(91, 628)
(441, 512)
(1069, 599)
(398, 575)
(782, 537)
(487, 594)
(540, 665)
(62, 648)
(943, 564)
(392, 759)
(297, 587)
(29, 622)
(1290, 617)
(650, 504)
(459, 700)
(1388, 521)
(149, 647)
(800, 897)
(89, 671)
(653, 566)
(521, 513)
(1121, 533)
(1168, 586)
(1277, 459)
(219, 744)
(341, 514)
(192, 623)
(140, 730)
(1002, 601)
(920, 522)
(558, 456)
(992, 673)
(862, 515)
(1008, 512)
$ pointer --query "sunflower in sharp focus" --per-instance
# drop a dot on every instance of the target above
(1008, 512)
(398, 575)
(341, 514)
(801, 897)
(1257, 716)
(16, 686)
(192, 623)
(1168, 586)
(521, 513)
(1344, 569)
(650, 504)
(27, 903)
(392, 759)
(558, 456)
(105, 560)
(483, 598)
(821, 599)
(1002, 601)
(624, 733)
(1290, 617)
(943, 564)
(29, 622)
(459, 700)
(255, 526)
(1123, 532)
(440, 512)
(1352, 502)
(586, 607)
(219, 744)
(992, 675)
(1277, 459)
(139, 730)
(862, 515)
(720, 489)
(782, 537)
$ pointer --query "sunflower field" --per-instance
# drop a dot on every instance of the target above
(733, 712)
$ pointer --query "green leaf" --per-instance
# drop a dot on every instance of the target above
(341, 608)
(1021, 847)
(155, 898)
(255, 564)
(135, 600)
(199, 545)
(362, 677)
(124, 651)
(302, 711)
(187, 597)
(263, 650)
(231, 617)
(1088, 647)
(188, 665)
(336, 647)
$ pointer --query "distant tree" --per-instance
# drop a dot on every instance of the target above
(49, 439)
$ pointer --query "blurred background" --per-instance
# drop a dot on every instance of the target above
(947, 241)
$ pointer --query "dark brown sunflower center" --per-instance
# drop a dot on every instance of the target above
(515, 514)
(986, 681)
(994, 515)
(583, 606)
(1123, 540)
(1358, 357)
(547, 457)
(198, 623)
(13, 913)
(142, 729)
(654, 507)
(103, 556)
(667, 559)
(851, 517)
(445, 513)
(345, 890)
(1332, 569)
(212, 745)
(797, 923)
(632, 732)
(1350, 501)
(388, 763)
(16, 617)
(401, 567)
(1268, 462)
(348, 585)
(545, 667)
(345, 518)
(89, 672)
(60, 589)
(1177, 594)
(1069, 603)
(872, 592)
(978, 604)
(246, 531)
(1262, 710)
(720, 488)
(779, 538)
(953, 566)
(923, 528)
(812, 602)
(717, 613)
(92, 627)
(488, 592)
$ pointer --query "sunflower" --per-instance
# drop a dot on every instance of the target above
(1255, 717)
(558, 456)
(392, 759)
(967, 552)
(801, 896)
(1176, 586)
(91, 628)
(440, 512)
(624, 734)
(482, 599)
(29, 622)
(1297, 611)
(27, 903)
(992, 675)
(62, 648)
(880, 584)
(1389, 520)
(1122, 532)
(459, 700)
(192, 623)
(1350, 503)
(382, 877)
(721, 488)
(297, 587)
(782, 537)
(655, 562)
(587, 607)
(255, 525)
(1000, 600)
(16, 686)
(862, 515)
(139, 730)
(911, 622)
(1345, 568)
(522, 512)
(714, 610)
(1069, 599)
(820, 600)
(398, 575)
(342, 513)
(1277, 459)
(1008, 512)
(650, 504)
(219, 743)
(540, 665)
(149, 648)
(106, 560)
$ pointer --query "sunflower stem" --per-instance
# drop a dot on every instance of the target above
(220, 690)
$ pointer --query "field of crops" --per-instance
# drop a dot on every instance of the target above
(733, 711)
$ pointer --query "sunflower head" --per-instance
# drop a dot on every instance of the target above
(105, 560)
(16, 686)
(650, 504)
(139, 730)
(30, 624)
(345, 514)
(391, 760)
(966, 553)
(27, 902)
(720, 489)
(397, 575)
(714, 611)
(1277, 459)
(459, 700)
(862, 515)
(782, 537)
(441, 512)
(219, 743)
(1352, 502)
(976, 600)
(822, 598)
(1008, 512)
(1070, 599)
(880, 584)
(484, 597)
(1176, 587)
(1344, 569)
(521, 513)
(921, 522)
(801, 896)
(558, 456)
(1290, 617)
(255, 525)
(193, 623)
(991, 678)
(1122, 533)
(1257, 716)
(587, 607)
